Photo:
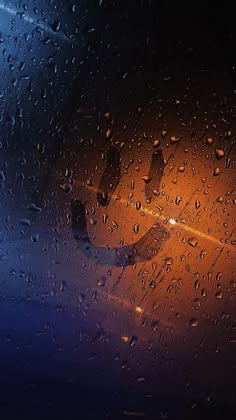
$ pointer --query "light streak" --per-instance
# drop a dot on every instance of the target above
(34, 22)
(164, 218)
(125, 303)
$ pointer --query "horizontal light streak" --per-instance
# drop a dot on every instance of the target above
(165, 219)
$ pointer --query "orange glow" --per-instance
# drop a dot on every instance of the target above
(139, 310)
(165, 218)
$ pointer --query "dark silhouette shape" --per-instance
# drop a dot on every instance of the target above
(155, 172)
(143, 250)
(110, 178)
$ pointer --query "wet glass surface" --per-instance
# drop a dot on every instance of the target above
(117, 210)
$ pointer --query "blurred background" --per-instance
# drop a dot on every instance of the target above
(117, 209)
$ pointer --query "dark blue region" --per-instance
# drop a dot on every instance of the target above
(48, 372)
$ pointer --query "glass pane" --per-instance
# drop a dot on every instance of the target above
(117, 210)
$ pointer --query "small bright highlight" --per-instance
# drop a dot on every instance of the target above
(139, 310)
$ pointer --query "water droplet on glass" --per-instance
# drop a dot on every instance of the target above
(108, 134)
(25, 222)
(56, 26)
(219, 294)
(203, 293)
(197, 284)
(140, 379)
(104, 218)
(2, 176)
(66, 187)
(218, 276)
(35, 237)
(152, 284)
(102, 281)
(136, 228)
(133, 340)
(193, 322)
(203, 253)
(168, 260)
(138, 205)
(156, 143)
(219, 200)
(178, 200)
(63, 286)
(216, 171)
(34, 208)
(68, 173)
(146, 179)
(108, 116)
(192, 241)
(220, 153)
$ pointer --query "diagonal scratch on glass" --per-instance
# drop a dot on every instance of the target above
(36, 23)
(220, 252)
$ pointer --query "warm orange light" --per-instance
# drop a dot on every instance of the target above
(139, 310)
(165, 218)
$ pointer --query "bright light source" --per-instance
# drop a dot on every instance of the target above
(139, 309)
(172, 222)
